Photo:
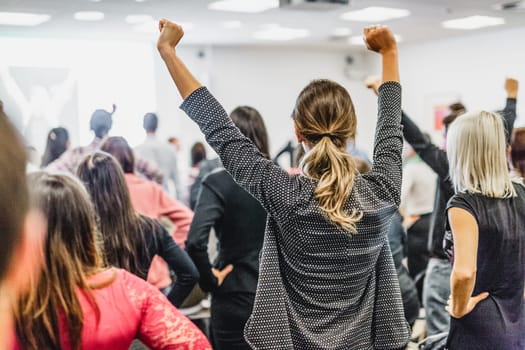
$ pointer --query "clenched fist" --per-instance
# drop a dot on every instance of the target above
(170, 35)
(380, 39)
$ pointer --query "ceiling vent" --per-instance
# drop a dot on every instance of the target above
(314, 5)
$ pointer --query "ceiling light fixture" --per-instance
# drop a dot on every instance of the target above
(278, 33)
(136, 19)
(375, 14)
(473, 22)
(22, 19)
(89, 16)
(244, 6)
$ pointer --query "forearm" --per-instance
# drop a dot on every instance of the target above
(461, 287)
(390, 66)
(185, 81)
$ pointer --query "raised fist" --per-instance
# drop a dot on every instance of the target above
(511, 86)
(170, 34)
(380, 39)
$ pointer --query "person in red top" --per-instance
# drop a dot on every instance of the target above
(149, 199)
(78, 303)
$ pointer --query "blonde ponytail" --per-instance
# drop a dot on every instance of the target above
(335, 169)
(324, 116)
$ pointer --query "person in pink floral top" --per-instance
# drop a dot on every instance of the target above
(79, 303)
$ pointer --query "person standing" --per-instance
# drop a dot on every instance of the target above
(161, 154)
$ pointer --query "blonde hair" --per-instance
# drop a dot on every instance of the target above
(324, 115)
(476, 151)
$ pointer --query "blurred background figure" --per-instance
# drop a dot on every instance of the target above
(57, 143)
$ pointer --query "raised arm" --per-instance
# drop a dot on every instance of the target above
(432, 155)
(387, 162)
(256, 174)
(509, 113)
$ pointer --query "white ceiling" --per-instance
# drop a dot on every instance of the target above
(424, 23)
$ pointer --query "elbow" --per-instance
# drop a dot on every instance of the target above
(464, 275)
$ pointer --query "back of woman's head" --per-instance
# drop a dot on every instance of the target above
(121, 227)
(198, 153)
(476, 150)
(518, 150)
(13, 192)
(324, 115)
(56, 144)
(251, 124)
(119, 148)
(71, 252)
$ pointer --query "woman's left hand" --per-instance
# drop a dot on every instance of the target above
(221, 274)
(473, 301)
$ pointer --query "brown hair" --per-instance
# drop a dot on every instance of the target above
(119, 148)
(13, 191)
(122, 228)
(324, 115)
(518, 150)
(251, 124)
(456, 109)
(71, 253)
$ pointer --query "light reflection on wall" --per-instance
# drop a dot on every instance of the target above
(50, 83)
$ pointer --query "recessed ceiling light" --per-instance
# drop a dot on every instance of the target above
(358, 40)
(246, 6)
(278, 33)
(473, 22)
(339, 32)
(140, 0)
(152, 26)
(135, 19)
(89, 16)
(232, 24)
(375, 14)
(22, 19)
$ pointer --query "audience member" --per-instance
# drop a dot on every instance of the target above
(518, 152)
(417, 203)
(436, 289)
(487, 244)
(57, 143)
(149, 199)
(199, 169)
(131, 240)
(22, 229)
(161, 154)
(327, 278)
(100, 123)
(239, 222)
(79, 302)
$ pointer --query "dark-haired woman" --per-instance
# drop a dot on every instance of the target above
(132, 240)
(56, 144)
(149, 199)
(79, 303)
(239, 221)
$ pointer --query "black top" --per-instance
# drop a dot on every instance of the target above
(319, 286)
(497, 322)
(436, 158)
(239, 222)
(159, 242)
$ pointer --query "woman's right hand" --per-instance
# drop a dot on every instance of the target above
(170, 35)
(380, 39)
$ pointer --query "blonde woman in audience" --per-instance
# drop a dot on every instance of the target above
(487, 242)
(326, 279)
(79, 303)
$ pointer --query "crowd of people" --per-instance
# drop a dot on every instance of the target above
(100, 248)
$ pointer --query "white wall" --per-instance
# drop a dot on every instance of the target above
(473, 67)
